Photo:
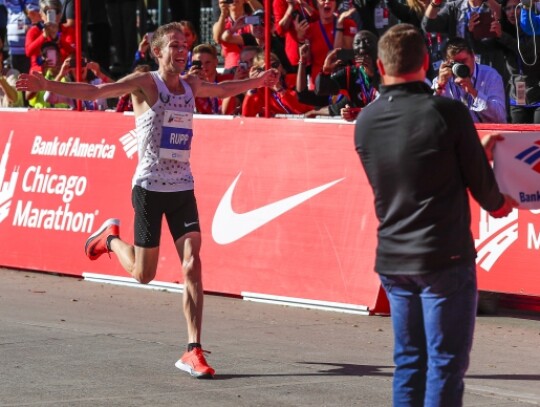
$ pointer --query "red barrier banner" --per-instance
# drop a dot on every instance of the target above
(285, 209)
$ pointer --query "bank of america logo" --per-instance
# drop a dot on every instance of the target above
(531, 156)
(129, 142)
(7, 186)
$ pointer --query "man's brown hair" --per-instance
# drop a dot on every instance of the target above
(402, 50)
(456, 45)
(160, 33)
(206, 49)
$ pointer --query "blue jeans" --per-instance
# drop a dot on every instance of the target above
(433, 317)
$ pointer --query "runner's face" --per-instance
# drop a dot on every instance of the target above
(174, 53)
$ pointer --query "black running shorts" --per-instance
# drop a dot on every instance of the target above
(179, 208)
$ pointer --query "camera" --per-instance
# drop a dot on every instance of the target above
(73, 63)
(460, 70)
(346, 56)
(196, 64)
(51, 15)
(253, 20)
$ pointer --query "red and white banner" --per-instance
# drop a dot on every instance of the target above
(285, 209)
(516, 162)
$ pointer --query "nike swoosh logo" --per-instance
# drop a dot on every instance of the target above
(186, 225)
(229, 226)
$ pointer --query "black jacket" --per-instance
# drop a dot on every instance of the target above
(421, 154)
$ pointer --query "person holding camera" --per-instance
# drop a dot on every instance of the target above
(91, 74)
(277, 46)
(143, 56)
(477, 21)
(50, 67)
(477, 86)
(522, 64)
(288, 13)
(354, 72)
(49, 30)
(331, 31)
(283, 95)
(230, 25)
(204, 64)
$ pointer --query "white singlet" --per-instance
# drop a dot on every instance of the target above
(164, 134)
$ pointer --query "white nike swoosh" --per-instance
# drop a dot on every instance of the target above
(228, 226)
(186, 225)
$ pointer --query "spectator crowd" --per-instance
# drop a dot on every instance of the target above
(483, 53)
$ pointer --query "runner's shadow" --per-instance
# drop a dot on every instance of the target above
(325, 369)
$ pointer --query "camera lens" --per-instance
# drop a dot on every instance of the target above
(461, 70)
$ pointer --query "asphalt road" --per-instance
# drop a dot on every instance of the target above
(68, 342)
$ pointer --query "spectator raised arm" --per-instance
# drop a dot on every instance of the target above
(9, 96)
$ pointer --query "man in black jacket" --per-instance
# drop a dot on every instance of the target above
(421, 154)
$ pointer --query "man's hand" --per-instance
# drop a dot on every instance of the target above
(346, 14)
(34, 82)
(489, 141)
(94, 67)
(330, 62)
(269, 78)
(305, 53)
(197, 71)
(224, 8)
(238, 24)
(350, 113)
(50, 30)
(144, 44)
(473, 21)
(367, 63)
(496, 28)
(467, 85)
(301, 28)
(508, 205)
(445, 73)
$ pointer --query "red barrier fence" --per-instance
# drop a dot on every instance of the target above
(286, 212)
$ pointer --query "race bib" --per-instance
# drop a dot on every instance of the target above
(176, 136)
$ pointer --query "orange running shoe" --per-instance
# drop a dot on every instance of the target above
(96, 244)
(195, 364)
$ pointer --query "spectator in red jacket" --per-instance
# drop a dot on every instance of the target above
(332, 30)
(285, 13)
(230, 22)
(49, 31)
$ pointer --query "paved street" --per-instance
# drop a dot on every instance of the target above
(68, 342)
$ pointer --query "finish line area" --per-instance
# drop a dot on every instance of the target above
(286, 212)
